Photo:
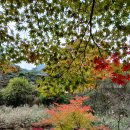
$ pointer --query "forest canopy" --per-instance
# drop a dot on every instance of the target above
(64, 34)
(43, 27)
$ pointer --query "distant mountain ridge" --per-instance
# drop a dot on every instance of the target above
(29, 74)
(39, 67)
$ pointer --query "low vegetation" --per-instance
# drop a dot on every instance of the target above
(20, 117)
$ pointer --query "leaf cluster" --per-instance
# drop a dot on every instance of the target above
(35, 31)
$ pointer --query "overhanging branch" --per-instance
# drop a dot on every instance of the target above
(90, 23)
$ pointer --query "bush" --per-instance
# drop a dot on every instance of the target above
(21, 116)
(62, 99)
(99, 102)
(1, 97)
(18, 92)
(69, 116)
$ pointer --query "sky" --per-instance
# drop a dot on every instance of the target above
(23, 34)
(26, 65)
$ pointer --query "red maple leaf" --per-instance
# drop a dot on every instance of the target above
(118, 78)
(126, 67)
(101, 63)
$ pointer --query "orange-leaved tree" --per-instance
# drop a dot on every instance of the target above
(70, 116)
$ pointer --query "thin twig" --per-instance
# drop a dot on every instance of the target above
(86, 46)
(96, 44)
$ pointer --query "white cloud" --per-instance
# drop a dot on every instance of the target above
(26, 65)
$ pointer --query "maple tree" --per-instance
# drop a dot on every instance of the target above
(6, 67)
(62, 33)
(39, 26)
(70, 116)
(62, 114)
(113, 68)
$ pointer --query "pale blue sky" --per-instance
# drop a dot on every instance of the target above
(26, 65)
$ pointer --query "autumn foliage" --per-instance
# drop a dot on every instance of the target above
(7, 68)
(70, 116)
(112, 68)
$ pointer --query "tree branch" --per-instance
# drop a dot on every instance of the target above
(91, 15)
(90, 22)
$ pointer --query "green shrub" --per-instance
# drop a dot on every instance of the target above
(62, 99)
(18, 92)
(1, 97)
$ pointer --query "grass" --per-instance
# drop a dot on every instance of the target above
(21, 117)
